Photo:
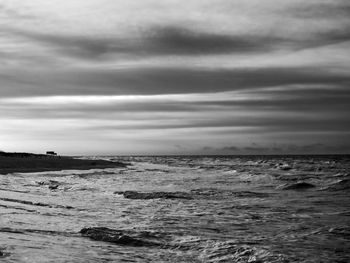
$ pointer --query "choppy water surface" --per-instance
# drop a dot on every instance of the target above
(237, 209)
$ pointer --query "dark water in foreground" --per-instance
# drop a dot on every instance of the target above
(236, 210)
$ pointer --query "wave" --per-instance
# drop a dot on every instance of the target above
(154, 195)
(193, 194)
(298, 186)
(26, 231)
(25, 202)
(126, 237)
(204, 250)
(339, 185)
(231, 251)
(220, 193)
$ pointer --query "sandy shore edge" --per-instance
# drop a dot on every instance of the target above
(29, 162)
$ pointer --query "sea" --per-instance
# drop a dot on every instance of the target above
(181, 209)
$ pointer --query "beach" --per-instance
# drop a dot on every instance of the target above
(29, 162)
(180, 209)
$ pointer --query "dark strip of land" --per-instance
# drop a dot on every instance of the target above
(29, 162)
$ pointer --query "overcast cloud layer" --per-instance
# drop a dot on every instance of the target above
(175, 77)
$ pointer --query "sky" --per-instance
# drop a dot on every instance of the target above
(175, 77)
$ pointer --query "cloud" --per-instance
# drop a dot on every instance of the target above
(322, 10)
(155, 73)
(173, 41)
(220, 30)
(155, 41)
(182, 41)
(152, 81)
(296, 98)
(11, 13)
(283, 109)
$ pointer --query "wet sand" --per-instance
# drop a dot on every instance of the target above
(28, 162)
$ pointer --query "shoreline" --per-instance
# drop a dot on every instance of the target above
(30, 163)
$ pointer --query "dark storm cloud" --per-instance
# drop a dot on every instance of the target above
(169, 40)
(182, 41)
(173, 40)
(153, 81)
(335, 36)
(186, 41)
(336, 18)
(176, 40)
(72, 45)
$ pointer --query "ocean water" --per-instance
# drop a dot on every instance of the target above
(219, 209)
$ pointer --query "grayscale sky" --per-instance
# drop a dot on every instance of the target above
(175, 77)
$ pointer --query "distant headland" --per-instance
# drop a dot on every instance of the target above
(21, 162)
